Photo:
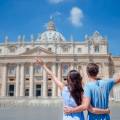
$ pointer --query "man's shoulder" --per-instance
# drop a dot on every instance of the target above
(90, 84)
(108, 80)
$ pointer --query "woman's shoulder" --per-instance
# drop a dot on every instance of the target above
(65, 88)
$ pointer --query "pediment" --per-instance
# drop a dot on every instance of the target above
(37, 51)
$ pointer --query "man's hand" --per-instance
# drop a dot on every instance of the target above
(98, 110)
(68, 110)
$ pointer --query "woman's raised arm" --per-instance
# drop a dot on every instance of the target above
(55, 78)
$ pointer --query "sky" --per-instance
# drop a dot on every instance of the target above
(72, 18)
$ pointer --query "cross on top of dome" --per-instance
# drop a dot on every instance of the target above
(51, 26)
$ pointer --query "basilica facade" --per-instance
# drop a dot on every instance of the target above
(20, 76)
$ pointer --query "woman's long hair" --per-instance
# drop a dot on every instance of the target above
(74, 81)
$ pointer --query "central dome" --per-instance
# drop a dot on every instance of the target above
(51, 35)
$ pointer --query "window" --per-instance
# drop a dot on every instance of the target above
(37, 69)
(38, 90)
(27, 70)
(65, 78)
(79, 50)
(11, 79)
(27, 79)
(11, 90)
(65, 49)
(50, 49)
(27, 92)
(11, 70)
(97, 49)
(49, 77)
(49, 92)
(65, 69)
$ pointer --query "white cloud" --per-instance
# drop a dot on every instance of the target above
(56, 1)
(76, 16)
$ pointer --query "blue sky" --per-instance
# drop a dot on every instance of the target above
(72, 17)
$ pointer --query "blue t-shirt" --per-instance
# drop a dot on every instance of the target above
(98, 92)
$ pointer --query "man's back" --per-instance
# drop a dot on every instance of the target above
(98, 92)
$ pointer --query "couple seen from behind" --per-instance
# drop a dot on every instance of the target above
(93, 96)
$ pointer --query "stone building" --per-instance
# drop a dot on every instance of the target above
(19, 76)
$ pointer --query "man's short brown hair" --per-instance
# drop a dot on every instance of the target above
(92, 69)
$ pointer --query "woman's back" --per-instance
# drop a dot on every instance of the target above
(70, 102)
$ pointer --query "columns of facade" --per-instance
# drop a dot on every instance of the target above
(22, 80)
(72, 66)
(31, 81)
(4, 80)
(84, 73)
(44, 83)
(105, 69)
(59, 77)
(75, 66)
(53, 83)
(17, 80)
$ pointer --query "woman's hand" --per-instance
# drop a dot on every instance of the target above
(67, 110)
(39, 61)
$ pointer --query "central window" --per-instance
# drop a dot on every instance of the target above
(37, 69)
(38, 90)
(11, 90)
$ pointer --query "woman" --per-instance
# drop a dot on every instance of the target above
(72, 93)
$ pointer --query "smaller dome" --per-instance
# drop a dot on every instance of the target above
(52, 36)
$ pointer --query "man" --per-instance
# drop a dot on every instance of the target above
(96, 93)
